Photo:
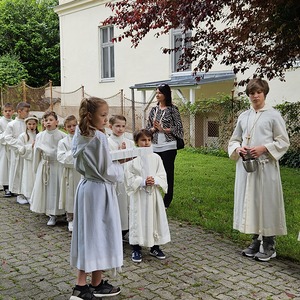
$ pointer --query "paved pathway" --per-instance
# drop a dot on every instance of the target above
(199, 265)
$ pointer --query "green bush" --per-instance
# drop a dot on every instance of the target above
(291, 158)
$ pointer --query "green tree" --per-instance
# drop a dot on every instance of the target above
(30, 29)
(240, 33)
(12, 70)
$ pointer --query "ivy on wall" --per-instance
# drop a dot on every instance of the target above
(227, 109)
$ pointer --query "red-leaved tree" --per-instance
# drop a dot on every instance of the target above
(239, 33)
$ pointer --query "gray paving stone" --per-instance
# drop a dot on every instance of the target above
(199, 265)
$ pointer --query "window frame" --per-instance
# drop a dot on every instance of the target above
(175, 55)
(107, 53)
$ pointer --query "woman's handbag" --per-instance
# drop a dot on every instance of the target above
(180, 143)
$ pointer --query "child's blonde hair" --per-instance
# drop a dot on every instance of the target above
(88, 107)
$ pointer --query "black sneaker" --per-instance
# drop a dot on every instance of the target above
(157, 253)
(104, 289)
(136, 256)
(8, 194)
(85, 294)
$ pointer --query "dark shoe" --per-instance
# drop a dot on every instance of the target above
(253, 248)
(136, 256)
(8, 194)
(104, 289)
(157, 253)
(85, 294)
(268, 249)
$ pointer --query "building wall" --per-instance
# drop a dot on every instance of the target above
(80, 59)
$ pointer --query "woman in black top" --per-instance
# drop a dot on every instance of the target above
(165, 123)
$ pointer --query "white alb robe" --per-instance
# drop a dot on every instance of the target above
(12, 132)
(96, 238)
(26, 152)
(115, 143)
(258, 199)
(148, 224)
(70, 177)
(46, 189)
(4, 152)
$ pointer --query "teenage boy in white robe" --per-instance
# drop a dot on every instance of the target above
(117, 141)
(70, 177)
(144, 177)
(27, 140)
(46, 189)
(258, 199)
(7, 112)
(12, 132)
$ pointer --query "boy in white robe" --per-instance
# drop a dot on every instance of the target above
(117, 141)
(27, 140)
(148, 224)
(12, 132)
(70, 177)
(7, 112)
(260, 134)
(46, 189)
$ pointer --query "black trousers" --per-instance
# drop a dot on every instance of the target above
(168, 158)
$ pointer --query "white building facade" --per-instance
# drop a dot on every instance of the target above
(90, 60)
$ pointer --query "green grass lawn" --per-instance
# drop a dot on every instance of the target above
(203, 195)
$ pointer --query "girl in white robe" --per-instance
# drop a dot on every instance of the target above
(70, 177)
(46, 189)
(27, 140)
(96, 239)
(144, 177)
(258, 200)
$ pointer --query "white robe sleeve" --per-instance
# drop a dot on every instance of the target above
(133, 179)
(235, 141)
(64, 153)
(25, 150)
(161, 176)
(12, 141)
(281, 139)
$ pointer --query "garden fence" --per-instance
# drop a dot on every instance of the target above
(207, 131)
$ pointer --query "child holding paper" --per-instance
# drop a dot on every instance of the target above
(148, 224)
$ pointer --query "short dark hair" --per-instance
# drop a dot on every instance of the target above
(257, 84)
(114, 118)
(22, 105)
(142, 132)
(50, 113)
(69, 119)
(7, 105)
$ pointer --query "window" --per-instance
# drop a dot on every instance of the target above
(107, 52)
(212, 129)
(178, 40)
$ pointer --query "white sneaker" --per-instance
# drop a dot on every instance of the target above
(70, 226)
(22, 199)
(52, 221)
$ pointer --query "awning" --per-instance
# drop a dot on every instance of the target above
(185, 79)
